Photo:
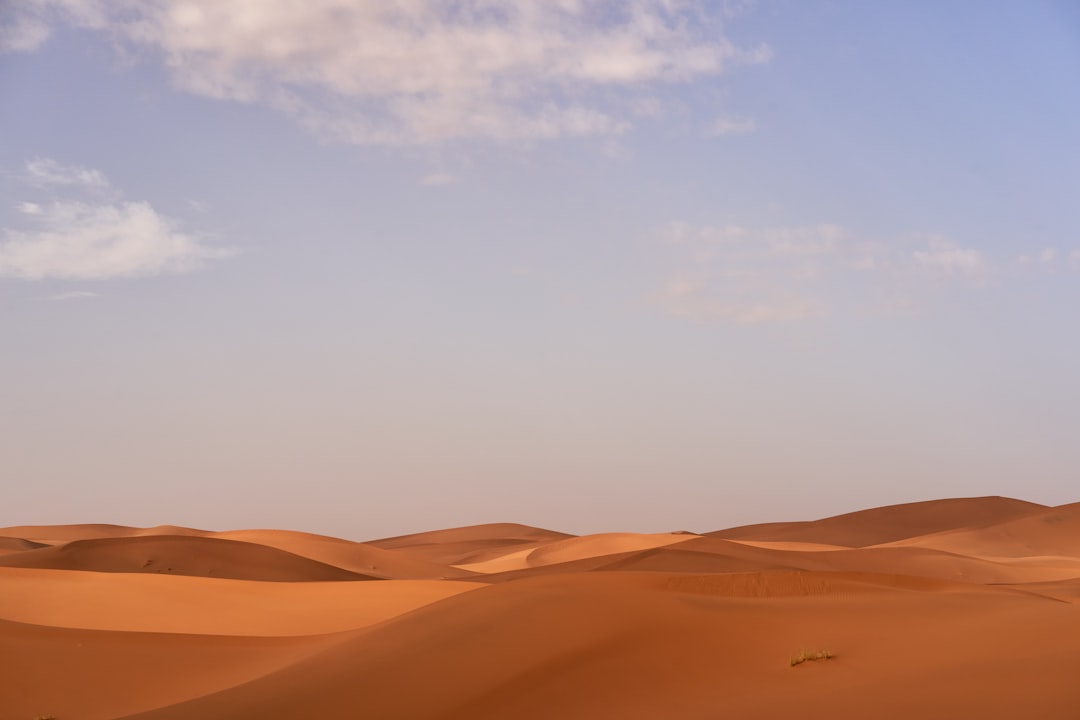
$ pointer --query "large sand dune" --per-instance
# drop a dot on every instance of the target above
(963, 608)
(886, 524)
(180, 555)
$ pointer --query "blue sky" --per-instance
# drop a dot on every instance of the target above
(366, 269)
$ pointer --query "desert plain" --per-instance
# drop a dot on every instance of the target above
(956, 608)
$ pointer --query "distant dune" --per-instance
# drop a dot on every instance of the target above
(947, 609)
(180, 555)
(890, 523)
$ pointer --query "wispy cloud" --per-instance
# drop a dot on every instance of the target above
(752, 276)
(73, 295)
(749, 276)
(437, 178)
(700, 306)
(48, 173)
(422, 71)
(1048, 259)
(733, 126)
(87, 231)
(943, 256)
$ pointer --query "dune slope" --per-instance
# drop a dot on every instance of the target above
(890, 523)
(654, 646)
(180, 555)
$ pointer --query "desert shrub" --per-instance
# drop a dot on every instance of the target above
(806, 655)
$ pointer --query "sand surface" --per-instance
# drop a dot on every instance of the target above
(960, 608)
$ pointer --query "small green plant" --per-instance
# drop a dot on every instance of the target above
(806, 655)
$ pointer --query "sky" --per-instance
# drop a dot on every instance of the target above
(368, 268)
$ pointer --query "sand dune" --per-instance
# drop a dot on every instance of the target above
(10, 544)
(575, 548)
(94, 675)
(631, 646)
(357, 557)
(179, 555)
(196, 605)
(946, 609)
(58, 534)
(1051, 532)
(889, 523)
(345, 554)
(466, 545)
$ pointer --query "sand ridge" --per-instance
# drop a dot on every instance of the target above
(180, 555)
(875, 526)
(141, 602)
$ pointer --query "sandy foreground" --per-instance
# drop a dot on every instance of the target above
(951, 609)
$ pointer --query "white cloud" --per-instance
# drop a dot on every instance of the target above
(756, 275)
(26, 24)
(437, 178)
(809, 241)
(694, 302)
(95, 239)
(732, 126)
(421, 71)
(47, 173)
(648, 107)
(29, 208)
(681, 233)
(946, 257)
(1046, 259)
(20, 31)
(73, 295)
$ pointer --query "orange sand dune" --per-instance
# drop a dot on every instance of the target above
(965, 608)
(575, 548)
(180, 604)
(476, 543)
(1051, 532)
(666, 558)
(179, 555)
(57, 534)
(356, 557)
(715, 555)
(1066, 590)
(633, 646)
(348, 555)
(94, 675)
(889, 523)
(11, 544)
(938, 564)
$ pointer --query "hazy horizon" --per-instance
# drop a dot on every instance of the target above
(639, 266)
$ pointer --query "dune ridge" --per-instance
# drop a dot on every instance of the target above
(180, 555)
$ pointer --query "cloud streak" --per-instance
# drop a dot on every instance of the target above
(733, 126)
(943, 256)
(73, 295)
(753, 276)
(418, 71)
(94, 237)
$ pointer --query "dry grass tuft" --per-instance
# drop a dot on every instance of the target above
(805, 655)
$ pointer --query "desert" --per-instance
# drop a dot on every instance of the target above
(952, 608)
(539, 360)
